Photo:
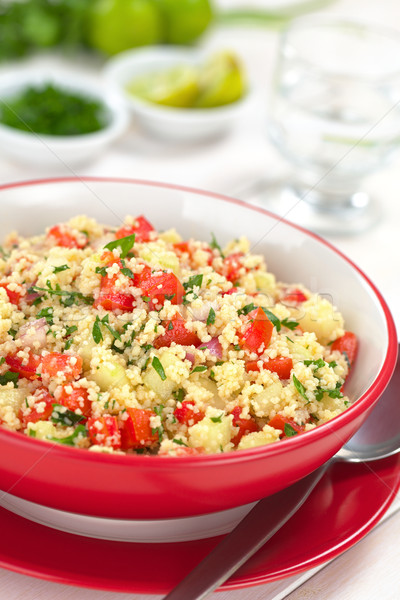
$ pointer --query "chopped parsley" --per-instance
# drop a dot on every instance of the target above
(7, 377)
(179, 442)
(68, 298)
(61, 268)
(300, 387)
(179, 395)
(157, 366)
(247, 309)
(335, 393)
(217, 419)
(194, 280)
(96, 330)
(47, 313)
(101, 271)
(214, 244)
(80, 431)
(199, 369)
(289, 431)
(125, 244)
(319, 363)
(63, 416)
(211, 317)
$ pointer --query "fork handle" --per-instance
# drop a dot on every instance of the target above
(261, 523)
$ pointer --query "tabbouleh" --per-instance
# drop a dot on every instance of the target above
(132, 341)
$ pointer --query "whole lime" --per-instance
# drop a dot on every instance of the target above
(185, 20)
(117, 25)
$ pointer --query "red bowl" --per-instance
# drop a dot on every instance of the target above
(151, 487)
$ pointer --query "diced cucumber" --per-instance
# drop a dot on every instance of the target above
(158, 257)
(163, 388)
(211, 435)
(110, 374)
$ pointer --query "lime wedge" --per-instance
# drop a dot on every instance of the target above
(221, 81)
(175, 87)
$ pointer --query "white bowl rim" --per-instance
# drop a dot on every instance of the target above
(375, 389)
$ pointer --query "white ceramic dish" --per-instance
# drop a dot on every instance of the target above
(176, 124)
(292, 253)
(39, 149)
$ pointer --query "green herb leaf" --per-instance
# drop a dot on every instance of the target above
(96, 331)
(157, 366)
(299, 387)
(211, 317)
(289, 324)
(332, 364)
(170, 326)
(128, 273)
(217, 419)
(194, 280)
(246, 309)
(101, 271)
(7, 377)
(273, 318)
(63, 416)
(289, 431)
(125, 244)
(61, 268)
(179, 442)
(199, 369)
(80, 431)
(47, 313)
(179, 395)
(319, 363)
(71, 329)
(214, 244)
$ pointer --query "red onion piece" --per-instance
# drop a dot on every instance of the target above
(189, 356)
(33, 334)
(214, 347)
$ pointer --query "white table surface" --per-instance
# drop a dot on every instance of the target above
(370, 569)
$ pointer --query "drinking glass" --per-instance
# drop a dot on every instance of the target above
(335, 117)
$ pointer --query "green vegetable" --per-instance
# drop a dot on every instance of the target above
(247, 309)
(80, 431)
(217, 419)
(199, 369)
(211, 317)
(289, 431)
(61, 268)
(195, 280)
(47, 313)
(214, 244)
(9, 376)
(125, 244)
(96, 330)
(157, 366)
(52, 110)
(300, 387)
(66, 417)
(67, 298)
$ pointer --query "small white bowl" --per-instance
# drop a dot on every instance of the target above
(55, 150)
(176, 124)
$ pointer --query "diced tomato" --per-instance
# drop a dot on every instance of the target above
(347, 345)
(279, 422)
(158, 288)
(104, 431)
(185, 248)
(55, 362)
(280, 365)
(233, 290)
(175, 331)
(232, 264)
(63, 236)
(111, 298)
(245, 425)
(182, 248)
(40, 411)
(14, 297)
(257, 333)
(187, 415)
(295, 296)
(75, 399)
(27, 370)
(135, 428)
(142, 230)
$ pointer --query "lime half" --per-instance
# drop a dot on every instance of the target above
(175, 87)
(221, 81)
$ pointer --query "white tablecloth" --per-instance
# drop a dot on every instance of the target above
(230, 165)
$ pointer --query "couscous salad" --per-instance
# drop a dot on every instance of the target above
(132, 341)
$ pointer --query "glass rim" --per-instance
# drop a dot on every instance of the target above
(336, 23)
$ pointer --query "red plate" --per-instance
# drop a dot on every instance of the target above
(347, 503)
